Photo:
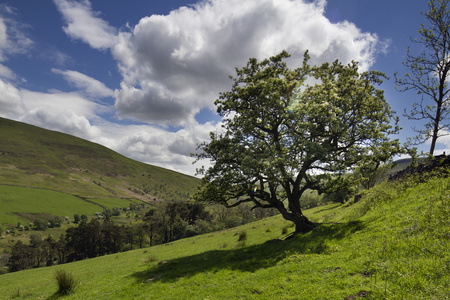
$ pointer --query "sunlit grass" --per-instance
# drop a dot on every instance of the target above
(14, 200)
(393, 244)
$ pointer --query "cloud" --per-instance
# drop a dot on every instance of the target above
(83, 24)
(156, 146)
(13, 39)
(64, 121)
(11, 104)
(57, 102)
(172, 67)
(91, 86)
(175, 65)
(6, 72)
(64, 112)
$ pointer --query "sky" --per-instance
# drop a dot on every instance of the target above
(141, 77)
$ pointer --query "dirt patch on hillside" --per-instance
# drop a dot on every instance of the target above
(34, 216)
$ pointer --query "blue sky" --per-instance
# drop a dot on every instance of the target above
(141, 77)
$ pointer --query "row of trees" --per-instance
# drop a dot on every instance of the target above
(163, 223)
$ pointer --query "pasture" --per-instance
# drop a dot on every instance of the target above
(18, 203)
(392, 244)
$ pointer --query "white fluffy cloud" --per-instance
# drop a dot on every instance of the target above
(84, 24)
(65, 112)
(91, 86)
(174, 65)
(65, 121)
(156, 146)
(11, 104)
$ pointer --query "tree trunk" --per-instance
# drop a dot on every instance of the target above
(302, 224)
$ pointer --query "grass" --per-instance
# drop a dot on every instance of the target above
(114, 202)
(19, 201)
(65, 281)
(393, 244)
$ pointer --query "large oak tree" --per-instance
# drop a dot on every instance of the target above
(282, 137)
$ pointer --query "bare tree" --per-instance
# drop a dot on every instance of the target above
(429, 73)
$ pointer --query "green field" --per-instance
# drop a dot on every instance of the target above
(20, 200)
(393, 244)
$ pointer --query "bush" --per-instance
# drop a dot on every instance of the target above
(116, 211)
(41, 224)
(150, 258)
(76, 218)
(66, 282)
(242, 236)
(55, 222)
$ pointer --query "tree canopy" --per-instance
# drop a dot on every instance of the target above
(281, 136)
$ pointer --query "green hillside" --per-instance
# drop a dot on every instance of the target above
(32, 157)
(392, 244)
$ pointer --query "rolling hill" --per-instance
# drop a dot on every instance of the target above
(392, 244)
(32, 157)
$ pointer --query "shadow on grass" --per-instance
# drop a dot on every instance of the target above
(328, 208)
(249, 258)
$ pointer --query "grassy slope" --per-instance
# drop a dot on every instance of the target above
(393, 244)
(33, 157)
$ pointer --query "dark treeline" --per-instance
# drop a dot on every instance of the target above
(101, 235)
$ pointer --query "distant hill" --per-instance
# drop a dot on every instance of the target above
(400, 164)
(34, 157)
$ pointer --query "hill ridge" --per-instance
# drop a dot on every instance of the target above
(31, 156)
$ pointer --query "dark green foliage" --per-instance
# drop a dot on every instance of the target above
(65, 281)
(338, 197)
(115, 211)
(164, 223)
(21, 257)
(35, 239)
(281, 137)
(54, 222)
(41, 224)
(76, 218)
(242, 236)
(107, 213)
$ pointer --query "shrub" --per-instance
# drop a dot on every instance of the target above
(66, 282)
(242, 236)
(54, 222)
(41, 224)
(150, 258)
(116, 211)
(76, 218)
